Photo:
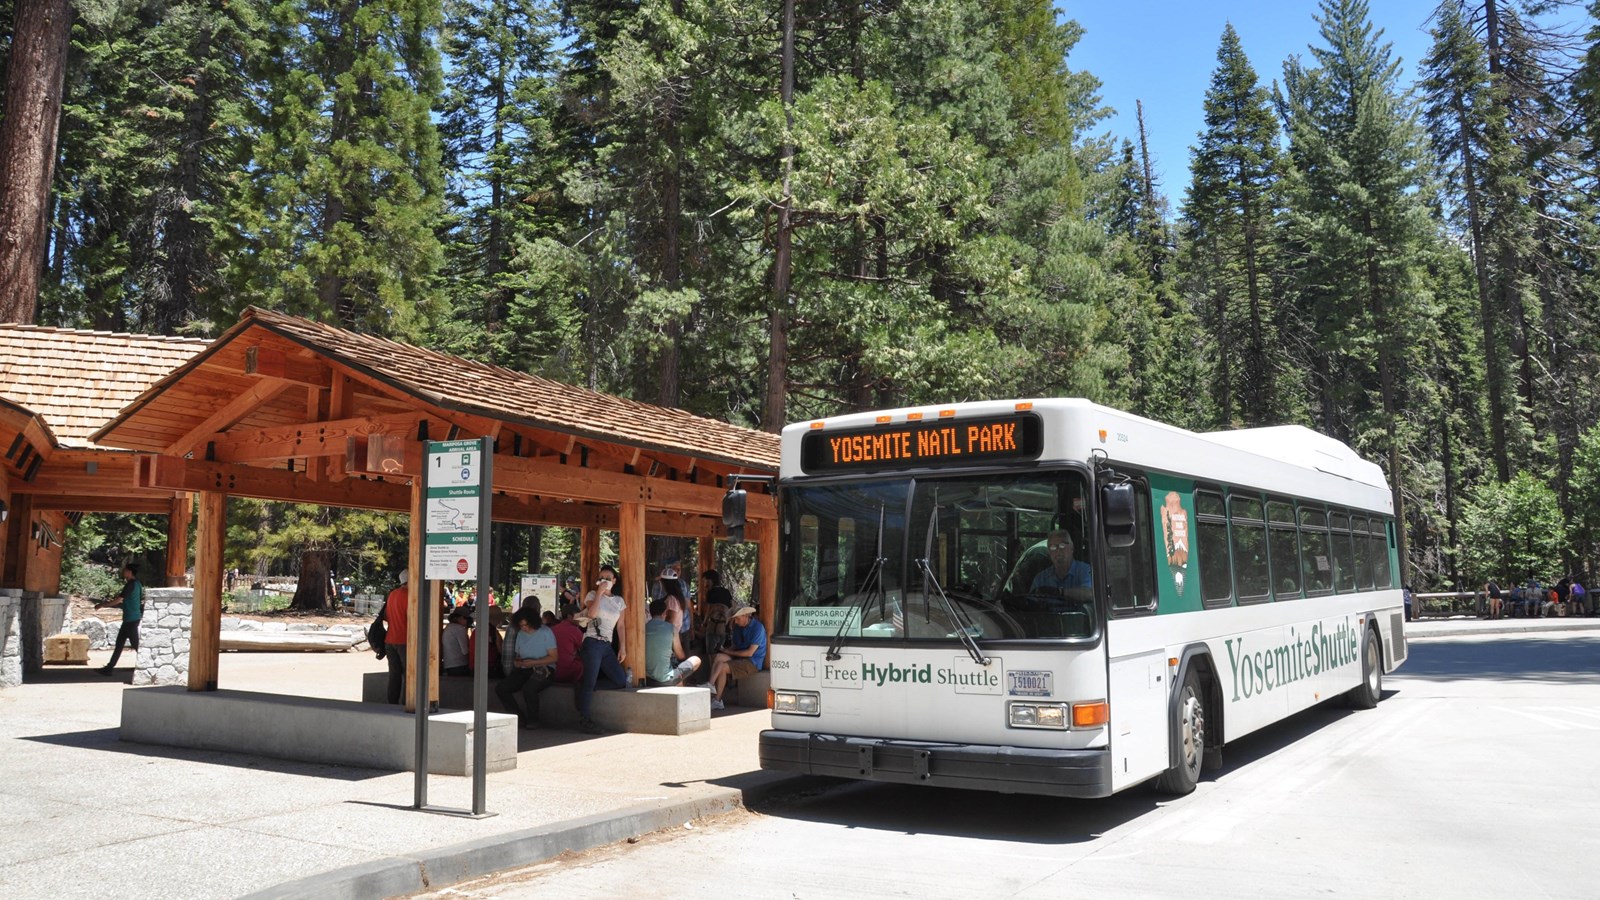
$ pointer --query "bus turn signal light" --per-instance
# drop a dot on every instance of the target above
(1090, 715)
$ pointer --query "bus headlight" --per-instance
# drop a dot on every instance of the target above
(1038, 715)
(797, 703)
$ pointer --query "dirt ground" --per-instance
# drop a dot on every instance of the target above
(83, 608)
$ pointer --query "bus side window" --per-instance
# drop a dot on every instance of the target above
(1130, 584)
(1216, 569)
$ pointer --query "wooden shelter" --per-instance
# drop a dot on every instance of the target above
(57, 387)
(284, 408)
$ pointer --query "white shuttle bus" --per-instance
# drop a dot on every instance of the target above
(1054, 597)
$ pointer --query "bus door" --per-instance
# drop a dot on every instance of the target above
(1136, 648)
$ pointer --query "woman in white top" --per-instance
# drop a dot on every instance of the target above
(603, 607)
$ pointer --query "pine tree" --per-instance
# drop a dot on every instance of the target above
(346, 183)
(1232, 212)
(1358, 214)
(35, 75)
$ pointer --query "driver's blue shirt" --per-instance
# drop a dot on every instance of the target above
(1079, 575)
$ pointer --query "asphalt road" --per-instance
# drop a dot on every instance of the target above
(1477, 776)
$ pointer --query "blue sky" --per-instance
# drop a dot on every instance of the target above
(1163, 52)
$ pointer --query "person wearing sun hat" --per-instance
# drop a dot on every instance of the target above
(745, 654)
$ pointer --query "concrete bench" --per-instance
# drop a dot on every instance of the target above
(751, 690)
(670, 710)
(311, 729)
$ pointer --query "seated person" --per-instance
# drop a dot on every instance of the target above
(455, 650)
(745, 654)
(533, 659)
(662, 650)
(569, 643)
(1065, 572)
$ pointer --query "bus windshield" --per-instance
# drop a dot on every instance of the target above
(1009, 552)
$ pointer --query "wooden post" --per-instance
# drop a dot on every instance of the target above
(705, 557)
(630, 568)
(178, 540)
(588, 559)
(205, 623)
(415, 600)
(766, 535)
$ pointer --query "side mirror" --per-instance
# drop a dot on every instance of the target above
(733, 515)
(1117, 516)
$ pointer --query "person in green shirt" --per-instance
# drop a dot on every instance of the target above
(662, 650)
(132, 602)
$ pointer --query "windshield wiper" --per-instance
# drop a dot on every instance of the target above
(962, 627)
(872, 586)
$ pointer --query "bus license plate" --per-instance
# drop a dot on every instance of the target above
(1030, 683)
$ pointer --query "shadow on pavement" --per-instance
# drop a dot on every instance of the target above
(109, 739)
(1015, 817)
(1504, 658)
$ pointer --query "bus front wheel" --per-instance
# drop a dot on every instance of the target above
(1370, 690)
(1189, 724)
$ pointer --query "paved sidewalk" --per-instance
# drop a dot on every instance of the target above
(84, 814)
(87, 815)
(1468, 626)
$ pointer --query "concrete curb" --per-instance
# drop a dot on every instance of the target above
(452, 865)
(1511, 626)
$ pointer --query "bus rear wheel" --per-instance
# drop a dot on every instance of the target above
(1366, 694)
(1189, 724)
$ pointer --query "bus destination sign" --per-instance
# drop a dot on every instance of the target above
(937, 442)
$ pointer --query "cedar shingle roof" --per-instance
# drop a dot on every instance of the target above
(493, 392)
(77, 381)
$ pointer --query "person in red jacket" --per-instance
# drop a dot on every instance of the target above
(569, 640)
(394, 642)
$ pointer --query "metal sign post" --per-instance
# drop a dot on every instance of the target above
(457, 488)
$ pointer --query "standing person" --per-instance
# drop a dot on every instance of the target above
(603, 608)
(569, 645)
(745, 654)
(1580, 597)
(394, 642)
(132, 602)
(715, 592)
(1496, 598)
(533, 659)
(662, 651)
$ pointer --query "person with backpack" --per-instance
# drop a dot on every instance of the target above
(394, 639)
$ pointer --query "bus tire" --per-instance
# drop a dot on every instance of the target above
(1367, 694)
(1189, 724)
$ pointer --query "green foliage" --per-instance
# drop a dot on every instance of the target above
(1513, 531)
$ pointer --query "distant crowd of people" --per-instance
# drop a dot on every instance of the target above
(579, 642)
(1566, 597)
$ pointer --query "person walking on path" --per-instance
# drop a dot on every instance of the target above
(533, 660)
(132, 602)
(394, 642)
(603, 608)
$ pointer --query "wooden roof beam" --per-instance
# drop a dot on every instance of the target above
(229, 415)
(271, 362)
(175, 474)
(545, 478)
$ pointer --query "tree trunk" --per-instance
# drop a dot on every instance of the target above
(777, 317)
(315, 590)
(34, 81)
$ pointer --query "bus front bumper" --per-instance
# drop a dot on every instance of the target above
(1011, 770)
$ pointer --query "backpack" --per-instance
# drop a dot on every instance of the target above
(716, 616)
(378, 632)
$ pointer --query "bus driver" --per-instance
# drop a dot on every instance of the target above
(1065, 571)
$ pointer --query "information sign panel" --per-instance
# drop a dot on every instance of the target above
(453, 516)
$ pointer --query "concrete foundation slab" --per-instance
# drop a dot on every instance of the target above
(311, 729)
